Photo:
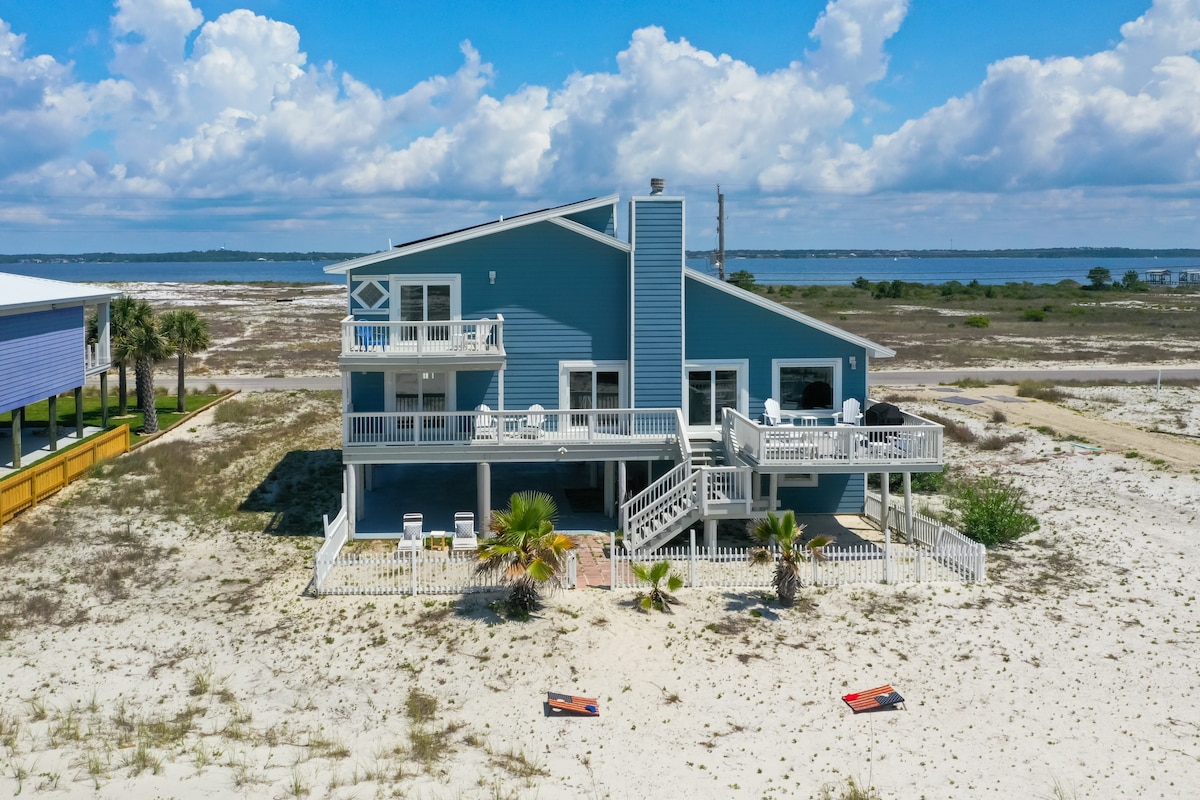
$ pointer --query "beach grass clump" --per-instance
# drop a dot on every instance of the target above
(851, 791)
(991, 510)
(955, 431)
(998, 442)
(1042, 390)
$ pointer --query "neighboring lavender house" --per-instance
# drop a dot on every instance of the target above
(43, 352)
(545, 339)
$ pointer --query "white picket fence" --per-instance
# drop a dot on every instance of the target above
(730, 567)
(408, 572)
(954, 548)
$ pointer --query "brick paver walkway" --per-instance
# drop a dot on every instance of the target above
(592, 567)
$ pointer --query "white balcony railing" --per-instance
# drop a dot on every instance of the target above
(550, 428)
(95, 356)
(433, 338)
(917, 441)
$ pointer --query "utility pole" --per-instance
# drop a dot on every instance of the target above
(720, 233)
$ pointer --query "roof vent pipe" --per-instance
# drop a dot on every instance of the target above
(657, 185)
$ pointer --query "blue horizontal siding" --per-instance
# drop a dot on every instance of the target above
(720, 325)
(41, 355)
(833, 494)
(658, 302)
(563, 297)
(598, 219)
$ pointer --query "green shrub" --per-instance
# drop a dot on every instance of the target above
(991, 511)
(977, 321)
(1034, 315)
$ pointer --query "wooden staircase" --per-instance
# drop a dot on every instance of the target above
(684, 496)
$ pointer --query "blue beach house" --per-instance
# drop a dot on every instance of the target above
(43, 350)
(546, 351)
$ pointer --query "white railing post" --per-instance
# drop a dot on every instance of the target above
(692, 558)
(413, 572)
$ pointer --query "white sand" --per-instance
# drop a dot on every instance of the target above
(1074, 665)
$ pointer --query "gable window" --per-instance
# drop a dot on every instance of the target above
(712, 386)
(807, 383)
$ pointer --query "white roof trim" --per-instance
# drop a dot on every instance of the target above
(591, 233)
(476, 232)
(876, 350)
(23, 292)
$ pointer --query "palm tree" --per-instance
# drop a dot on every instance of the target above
(785, 533)
(144, 343)
(125, 314)
(187, 334)
(526, 549)
(658, 596)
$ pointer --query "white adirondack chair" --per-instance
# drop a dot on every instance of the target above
(413, 538)
(531, 426)
(485, 423)
(851, 413)
(771, 412)
(465, 537)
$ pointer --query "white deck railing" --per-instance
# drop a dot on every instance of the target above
(731, 567)
(336, 533)
(95, 356)
(874, 447)
(440, 337)
(953, 548)
(552, 428)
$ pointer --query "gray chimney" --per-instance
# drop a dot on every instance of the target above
(657, 185)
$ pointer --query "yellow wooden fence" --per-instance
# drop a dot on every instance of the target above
(33, 485)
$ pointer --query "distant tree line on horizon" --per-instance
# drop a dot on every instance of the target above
(190, 256)
(1044, 252)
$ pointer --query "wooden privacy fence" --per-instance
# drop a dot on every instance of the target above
(31, 486)
(731, 567)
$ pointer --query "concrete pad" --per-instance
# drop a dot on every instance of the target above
(36, 446)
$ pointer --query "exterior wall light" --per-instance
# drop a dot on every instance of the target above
(492, 277)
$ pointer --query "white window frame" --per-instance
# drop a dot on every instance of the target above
(453, 279)
(380, 283)
(565, 368)
(797, 480)
(835, 386)
(739, 365)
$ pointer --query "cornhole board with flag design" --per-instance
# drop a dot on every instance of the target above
(873, 699)
(573, 704)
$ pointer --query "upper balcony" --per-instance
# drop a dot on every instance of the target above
(914, 446)
(96, 358)
(459, 344)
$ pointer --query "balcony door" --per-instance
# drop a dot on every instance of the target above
(712, 386)
(420, 392)
(426, 298)
(589, 385)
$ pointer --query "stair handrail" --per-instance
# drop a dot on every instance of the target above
(679, 486)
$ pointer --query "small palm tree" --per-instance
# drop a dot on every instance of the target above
(187, 334)
(144, 344)
(785, 533)
(658, 596)
(125, 314)
(526, 549)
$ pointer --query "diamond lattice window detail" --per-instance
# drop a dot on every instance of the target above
(370, 294)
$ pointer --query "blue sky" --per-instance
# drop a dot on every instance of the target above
(149, 125)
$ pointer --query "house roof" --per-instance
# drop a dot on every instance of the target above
(555, 214)
(22, 291)
(874, 350)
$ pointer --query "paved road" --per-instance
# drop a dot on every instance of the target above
(1115, 374)
(930, 377)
